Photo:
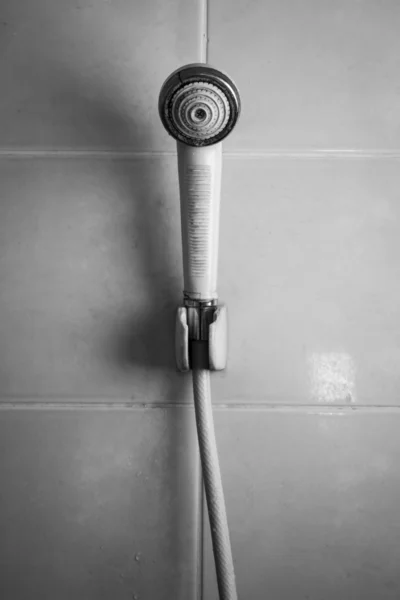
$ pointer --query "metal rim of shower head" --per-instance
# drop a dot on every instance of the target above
(199, 105)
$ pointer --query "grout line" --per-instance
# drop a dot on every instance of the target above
(316, 153)
(245, 406)
(70, 404)
(301, 153)
(200, 500)
(204, 28)
(204, 514)
(200, 530)
(86, 153)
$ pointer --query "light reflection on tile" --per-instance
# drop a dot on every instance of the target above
(332, 377)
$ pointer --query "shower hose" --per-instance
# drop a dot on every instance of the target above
(212, 473)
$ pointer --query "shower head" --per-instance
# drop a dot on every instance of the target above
(199, 105)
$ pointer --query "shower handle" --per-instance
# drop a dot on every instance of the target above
(199, 172)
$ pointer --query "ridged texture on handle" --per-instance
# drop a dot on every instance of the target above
(200, 190)
(198, 185)
(212, 478)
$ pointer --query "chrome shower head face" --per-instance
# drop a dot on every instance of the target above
(199, 105)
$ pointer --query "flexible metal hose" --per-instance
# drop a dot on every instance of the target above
(212, 474)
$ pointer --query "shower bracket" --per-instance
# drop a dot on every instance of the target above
(201, 321)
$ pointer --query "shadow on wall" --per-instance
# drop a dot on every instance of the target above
(78, 88)
(146, 338)
(150, 228)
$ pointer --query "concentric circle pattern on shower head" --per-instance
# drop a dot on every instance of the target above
(199, 110)
(199, 105)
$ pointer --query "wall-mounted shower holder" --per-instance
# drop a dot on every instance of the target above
(201, 321)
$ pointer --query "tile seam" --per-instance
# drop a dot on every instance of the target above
(301, 154)
(204, 9)
(250, 407)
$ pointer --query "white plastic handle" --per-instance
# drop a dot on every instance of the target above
(199, 171)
